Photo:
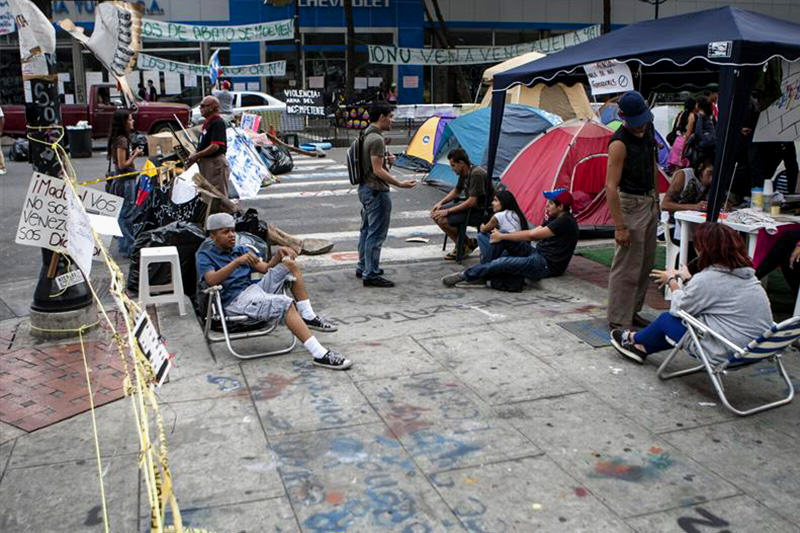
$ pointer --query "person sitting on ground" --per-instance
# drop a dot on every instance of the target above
(449, 215)
(557, 237)
(229, 265)
(725, 295)
(507, 218)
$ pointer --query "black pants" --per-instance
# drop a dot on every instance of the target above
(779, 257)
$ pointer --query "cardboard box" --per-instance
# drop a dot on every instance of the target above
(164, 140)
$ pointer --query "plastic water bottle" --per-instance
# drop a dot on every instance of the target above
(757, 198)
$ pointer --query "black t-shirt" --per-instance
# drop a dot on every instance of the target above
(637, 171)
(557, 250)
(213, 132)
(474, 184)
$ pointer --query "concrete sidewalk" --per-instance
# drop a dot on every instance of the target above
(466, 409)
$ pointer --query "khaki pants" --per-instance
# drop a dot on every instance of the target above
(215, 169)
(629, 277)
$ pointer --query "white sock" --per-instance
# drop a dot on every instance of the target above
(304, 307)
(317, 350)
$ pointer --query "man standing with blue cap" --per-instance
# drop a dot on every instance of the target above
(633, 202)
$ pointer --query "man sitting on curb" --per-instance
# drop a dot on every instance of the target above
(450, 215)
(557, 240)
(229, 265)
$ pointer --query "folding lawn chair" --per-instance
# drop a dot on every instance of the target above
(768, 346)
(219, 326)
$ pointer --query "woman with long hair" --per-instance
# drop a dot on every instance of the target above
(725, 295)
(123, 160)
(684, 123)
(507, 218)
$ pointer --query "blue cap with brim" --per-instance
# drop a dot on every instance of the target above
(633, 109)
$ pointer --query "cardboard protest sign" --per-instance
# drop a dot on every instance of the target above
(607, 77)
(151, 345)
(43, 220)
(304, 102)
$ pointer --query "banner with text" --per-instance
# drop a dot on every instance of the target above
(393, 55)
(607, 77)
(275, 30)
(304, 102)
(273, 68)
(43, 220)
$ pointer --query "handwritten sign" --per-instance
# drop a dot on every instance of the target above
(152, 346)
(303, 102)
(780, 122)
(148, 62)
(393, 55)
(158, 30)
(609, 77)
(250, 122)
(43, 220)
(80, 240)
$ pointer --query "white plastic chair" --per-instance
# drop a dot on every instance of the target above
(169, 293)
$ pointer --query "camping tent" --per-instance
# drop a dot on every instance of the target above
(424, 144)
(571, 155)
(726, 44)
(566, 102)
(521, 123)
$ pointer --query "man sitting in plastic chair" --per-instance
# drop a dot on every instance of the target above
(231, 266)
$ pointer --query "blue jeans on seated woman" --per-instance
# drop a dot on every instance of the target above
(532, 266)
(490, 252)
(663, 333)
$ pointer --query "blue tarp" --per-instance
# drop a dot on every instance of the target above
(728, 40)
(521, 124)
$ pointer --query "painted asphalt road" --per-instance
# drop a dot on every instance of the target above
(316, 200)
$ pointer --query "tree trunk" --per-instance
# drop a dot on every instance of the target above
(350, 52)
(606, 16)
(461, 81)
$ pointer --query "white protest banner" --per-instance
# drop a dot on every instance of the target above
(780, 122)
(80, 241)
(393, 55)
(43, 220)
(273, 68)
(151, 345)
(609, 77)
(275, 30)
(6, 19)
(248, 171)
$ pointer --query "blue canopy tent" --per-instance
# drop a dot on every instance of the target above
(521, 123)
(726, 44)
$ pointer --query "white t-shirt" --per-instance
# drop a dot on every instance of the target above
(507, 221)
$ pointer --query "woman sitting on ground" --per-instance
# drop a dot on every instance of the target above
(507, 218)
(725, 295)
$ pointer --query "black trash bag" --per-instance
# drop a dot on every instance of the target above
(250, 223)
(249, 240)
(158, 211)
(186, 237)
(19, 150)
(280, 159)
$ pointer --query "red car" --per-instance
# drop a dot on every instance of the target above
(151, 117)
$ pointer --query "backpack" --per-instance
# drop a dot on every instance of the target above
(706, 132)
(354, 156)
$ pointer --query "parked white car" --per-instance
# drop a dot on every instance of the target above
(246, 101)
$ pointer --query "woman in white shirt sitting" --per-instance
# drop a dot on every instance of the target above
(507, 218)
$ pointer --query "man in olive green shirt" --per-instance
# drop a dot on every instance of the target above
(472, 181)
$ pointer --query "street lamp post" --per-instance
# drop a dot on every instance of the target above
(655, 3)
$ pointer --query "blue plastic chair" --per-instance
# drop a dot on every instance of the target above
(769, 346)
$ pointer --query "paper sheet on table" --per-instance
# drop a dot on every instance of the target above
(105, 225)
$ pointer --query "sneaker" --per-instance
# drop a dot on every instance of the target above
(480, 282)
(378, 281)
(359, 274)
(2, 171)
(334, 361)
(450, 280)
(320, 324)
(623, 342)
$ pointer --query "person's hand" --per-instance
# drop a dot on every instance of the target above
(684, 273)
(250, 259)
(439, 214)
(407, 184)
(390, 158)
(622, 236)
(659, 277)
(436, 207)
(795, 257)
(191, 160)
(285, 251)
(495, 236)
(137, 152)
(701, 206)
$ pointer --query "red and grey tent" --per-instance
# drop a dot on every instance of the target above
(572, 155)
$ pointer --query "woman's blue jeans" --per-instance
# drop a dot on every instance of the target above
(662, 334)
(126, 216)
